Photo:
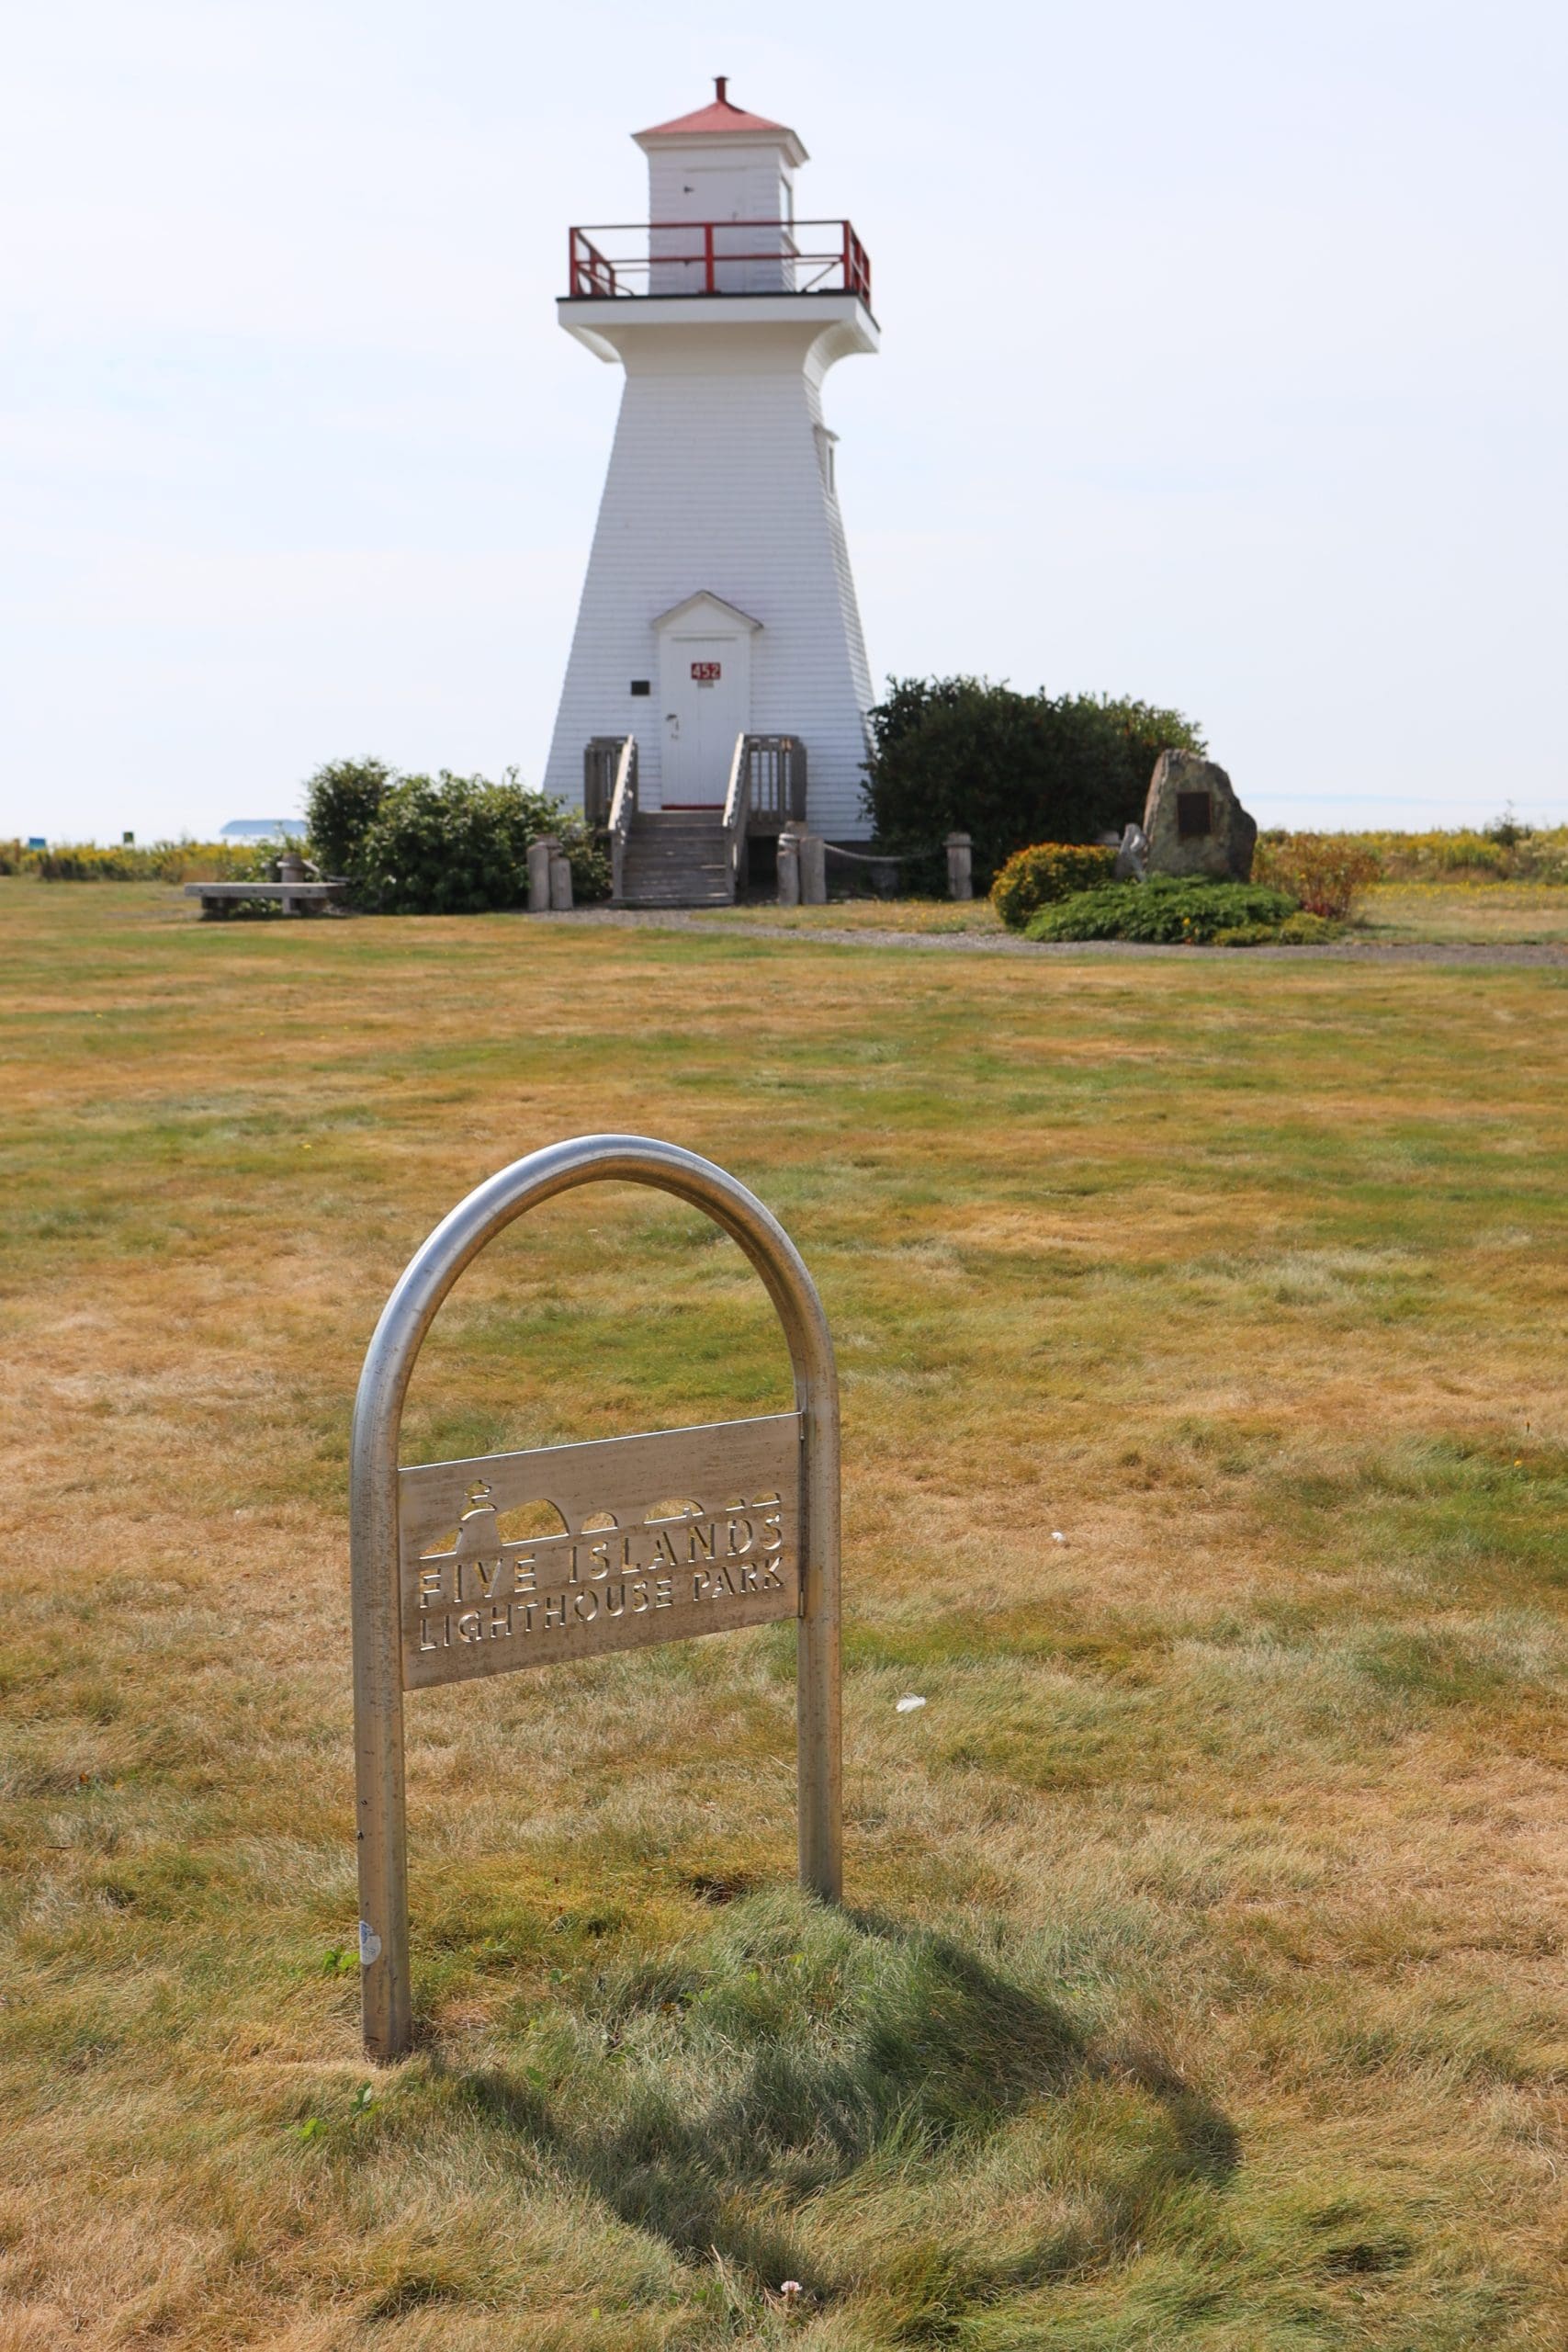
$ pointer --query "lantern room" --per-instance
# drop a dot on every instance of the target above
(721, 217)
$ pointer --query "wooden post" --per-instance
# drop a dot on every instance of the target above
(789, 867)
(960, 877)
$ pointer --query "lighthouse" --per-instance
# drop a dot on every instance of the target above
(718, 688)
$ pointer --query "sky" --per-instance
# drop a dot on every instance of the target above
(1223, 354)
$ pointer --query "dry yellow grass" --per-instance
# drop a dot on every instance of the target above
(1485, 913)
(940, 916)
(1203, 1981)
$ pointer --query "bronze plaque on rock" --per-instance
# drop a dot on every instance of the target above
(659, 1537)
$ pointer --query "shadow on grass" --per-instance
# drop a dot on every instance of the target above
(794, 2051)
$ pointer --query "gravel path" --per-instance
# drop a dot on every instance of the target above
(1502, 954)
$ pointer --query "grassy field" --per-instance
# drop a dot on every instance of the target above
(1455, 913)
(1201, 1328)
(938, 915)
(1478, 913)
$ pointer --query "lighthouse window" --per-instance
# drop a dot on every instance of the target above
(642, 685)
(825, 444)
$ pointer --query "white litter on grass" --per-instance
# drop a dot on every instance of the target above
(907, 1706)
(1057, 1536)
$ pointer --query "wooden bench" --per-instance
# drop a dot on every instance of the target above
(297, 898)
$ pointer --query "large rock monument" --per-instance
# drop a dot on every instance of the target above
(1193, 822)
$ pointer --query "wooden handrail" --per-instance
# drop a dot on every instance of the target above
(737, 811)
(776, 767)
(623, 808)
(600, 759)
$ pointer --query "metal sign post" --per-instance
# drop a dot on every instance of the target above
(752, 1536)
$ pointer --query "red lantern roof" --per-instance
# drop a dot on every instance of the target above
(714, 119)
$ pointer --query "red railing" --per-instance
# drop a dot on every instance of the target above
(674, 258)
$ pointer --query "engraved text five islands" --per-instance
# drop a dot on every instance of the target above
(664, 1535)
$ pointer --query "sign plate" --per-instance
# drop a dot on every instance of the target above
(676, 1532)
(1194, 816)
(707, 673)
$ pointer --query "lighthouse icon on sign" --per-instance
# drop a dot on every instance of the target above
(718, 685)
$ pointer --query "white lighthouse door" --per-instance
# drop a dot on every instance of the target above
(708, 702)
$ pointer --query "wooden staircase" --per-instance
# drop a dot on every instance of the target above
(690, 857)
(677, 857)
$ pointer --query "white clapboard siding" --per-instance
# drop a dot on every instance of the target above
(720, 478)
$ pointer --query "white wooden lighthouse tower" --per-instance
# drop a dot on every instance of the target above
(718, 633)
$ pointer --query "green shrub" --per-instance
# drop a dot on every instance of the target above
(1165, 910)
(963, 755)
(1325, 872)
(1296, 931)
(456, 845)
(341, 801)
(1247, 934)
(446, 845)
(589, 860)
(442, 845)
(1307, 929)
(1036, 877)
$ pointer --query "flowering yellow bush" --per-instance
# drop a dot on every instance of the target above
(156, 861)
(1323, 871)
(1036, 877)
(1505, 852)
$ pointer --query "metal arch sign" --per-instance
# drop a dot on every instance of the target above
(660, 1537)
